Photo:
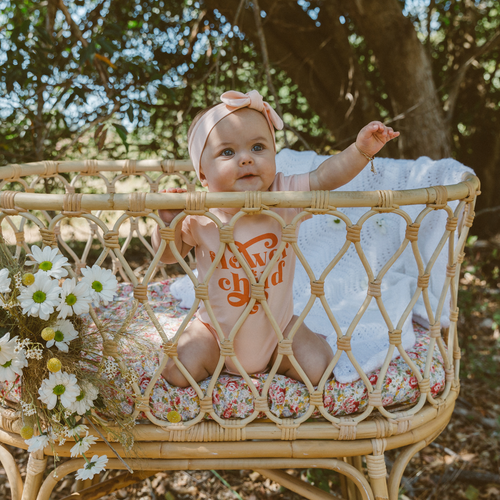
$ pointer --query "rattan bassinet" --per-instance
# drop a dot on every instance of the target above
(268, 444)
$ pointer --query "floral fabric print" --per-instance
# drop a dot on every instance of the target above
(232, 398)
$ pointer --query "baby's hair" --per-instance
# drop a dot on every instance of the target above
(197, 118)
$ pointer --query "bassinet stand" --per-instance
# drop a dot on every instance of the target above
(270, 445)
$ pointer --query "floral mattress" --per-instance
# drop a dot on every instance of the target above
(232, 397)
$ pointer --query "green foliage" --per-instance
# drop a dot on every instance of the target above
(324, 479)
(464, 30)
(471, 493)
(142, 69)
(479, 300)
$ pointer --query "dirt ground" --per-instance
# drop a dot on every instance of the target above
(463, 462)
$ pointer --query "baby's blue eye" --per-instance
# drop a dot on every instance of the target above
(258, 147)
(227, 152)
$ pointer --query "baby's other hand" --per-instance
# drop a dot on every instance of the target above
(168, 216)
(372, 138)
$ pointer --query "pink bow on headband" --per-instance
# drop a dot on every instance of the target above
(231, 102)
(255, 101)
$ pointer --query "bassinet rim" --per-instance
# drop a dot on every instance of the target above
(29, 200)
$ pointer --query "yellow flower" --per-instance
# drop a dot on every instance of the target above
(54, 365)
(48, 334)
(173, 417)
(28, 279)
(27, 432)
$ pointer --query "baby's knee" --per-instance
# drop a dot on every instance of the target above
(174, 376)
(198, 352)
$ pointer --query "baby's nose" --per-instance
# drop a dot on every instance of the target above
(245, 160)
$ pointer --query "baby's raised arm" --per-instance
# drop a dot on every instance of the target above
(341, 168)
(167, 216)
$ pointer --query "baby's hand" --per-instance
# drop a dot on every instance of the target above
(168, 216)
(372, 138)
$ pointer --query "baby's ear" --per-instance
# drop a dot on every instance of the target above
(203, 179)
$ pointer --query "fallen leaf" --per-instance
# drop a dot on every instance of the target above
(471, 493)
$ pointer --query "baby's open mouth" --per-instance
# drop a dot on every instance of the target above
(248, 176)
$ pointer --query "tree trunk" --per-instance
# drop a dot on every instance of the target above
(319, 59)
(405, 66)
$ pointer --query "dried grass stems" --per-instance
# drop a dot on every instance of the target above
(84, 359)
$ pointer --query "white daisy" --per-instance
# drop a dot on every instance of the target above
(60, 385)
(65, 333)
(7, 348)
(83, 445)
(85, 400)
(96, 465)
(49, 261)
(12, 360)
(77, 431)
(37, 442)
(40, 298)
(75, 298)
(4, 281)
(102, 283)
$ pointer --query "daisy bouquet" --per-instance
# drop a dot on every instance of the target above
(50, 349)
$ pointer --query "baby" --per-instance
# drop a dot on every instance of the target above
(232, 147)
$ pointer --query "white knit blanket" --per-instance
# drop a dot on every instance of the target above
(321, 238)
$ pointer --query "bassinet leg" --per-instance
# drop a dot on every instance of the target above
(81, 485)
(13, 474)
(37, 463)
(399, 467)
(377, 472)
(293, 484)
(358, 463)
(404, 457)
(349, 489)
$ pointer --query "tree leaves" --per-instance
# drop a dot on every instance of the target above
(122, 133)
(471, 493)
(162, 66)
(130, 113)
(102, 140)
(106, 60)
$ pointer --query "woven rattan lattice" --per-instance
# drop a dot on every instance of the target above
(112, 218)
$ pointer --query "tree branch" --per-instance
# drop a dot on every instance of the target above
(299, 136)
(101, 119)
(396, 46)
(265, 60)
(489, 210)
(459, 76)
(217, 59)
(76, 31)
(432, 6)
(318, 59)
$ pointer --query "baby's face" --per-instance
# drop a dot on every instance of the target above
(239, 154)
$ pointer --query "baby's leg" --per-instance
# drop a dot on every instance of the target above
(310, 350)
(198, 351)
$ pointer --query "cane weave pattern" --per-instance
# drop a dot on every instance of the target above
(113, 218)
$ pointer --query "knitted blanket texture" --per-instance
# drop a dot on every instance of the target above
(322, 237)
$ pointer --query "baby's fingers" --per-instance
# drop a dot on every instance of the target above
(173, 190)
(391, 133)
(386, 133)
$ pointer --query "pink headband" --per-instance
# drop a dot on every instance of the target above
(231, 102)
